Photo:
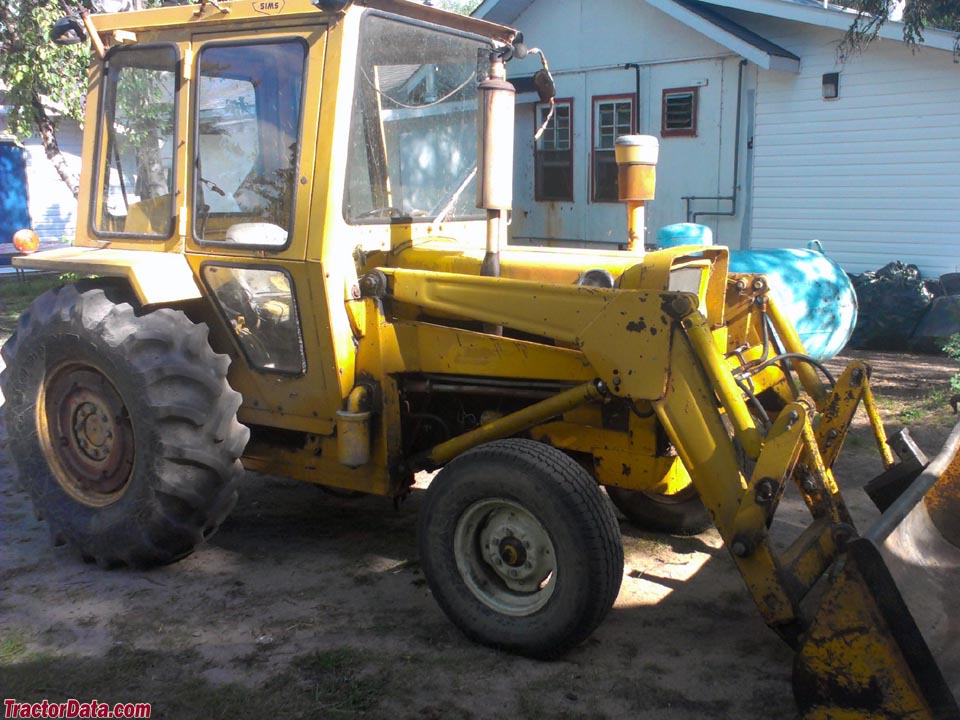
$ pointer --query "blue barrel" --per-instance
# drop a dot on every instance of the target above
(684, 234)
(810, 289)
(14, 213)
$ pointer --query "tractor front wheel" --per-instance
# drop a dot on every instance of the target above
(520, 548)
(122, 425)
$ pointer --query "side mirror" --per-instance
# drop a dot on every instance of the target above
(68, 31)
(546, 88)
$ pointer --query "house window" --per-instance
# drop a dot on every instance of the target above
(554, 153)
(612, 117)
(679, 115)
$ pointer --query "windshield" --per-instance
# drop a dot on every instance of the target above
(413, 134)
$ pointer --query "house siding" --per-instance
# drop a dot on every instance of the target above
(874, 174)
(589, 63)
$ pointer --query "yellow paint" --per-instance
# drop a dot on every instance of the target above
(156, 278)
(876, 424)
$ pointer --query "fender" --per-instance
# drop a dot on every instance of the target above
(158, 278)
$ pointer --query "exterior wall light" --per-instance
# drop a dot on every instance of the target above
(831, 86)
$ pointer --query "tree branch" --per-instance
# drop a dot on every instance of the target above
(48, 136)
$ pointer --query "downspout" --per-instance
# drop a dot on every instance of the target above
(732, 197)
(636, 98)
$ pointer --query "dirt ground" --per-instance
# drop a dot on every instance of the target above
(309, 605)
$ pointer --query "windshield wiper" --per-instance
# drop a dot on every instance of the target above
(455, 197)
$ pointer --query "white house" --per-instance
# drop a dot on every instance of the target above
(765, 135)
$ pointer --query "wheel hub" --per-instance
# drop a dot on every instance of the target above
(512, 552)
(88, 436)
(93, 431)
(505, 556)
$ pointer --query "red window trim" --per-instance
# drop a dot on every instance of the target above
(537, 194)
(690, 132)
(634, 124)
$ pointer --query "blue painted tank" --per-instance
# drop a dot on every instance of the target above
(811, 289)
(684, 234)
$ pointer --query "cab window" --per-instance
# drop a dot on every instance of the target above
(136, 143)
(259, 307)
(248, 128)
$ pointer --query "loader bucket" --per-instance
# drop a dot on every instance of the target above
(885, 639)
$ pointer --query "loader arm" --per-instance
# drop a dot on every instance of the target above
(658, 346)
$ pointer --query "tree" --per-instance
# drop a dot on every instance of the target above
(40, 79)
(916, 15)
(43, 81)
(464, 7)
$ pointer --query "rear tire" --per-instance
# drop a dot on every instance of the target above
(520, 548)
(679, 514)
(122, 426)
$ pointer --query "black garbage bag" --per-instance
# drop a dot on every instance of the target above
(891, 301)
(938, 324)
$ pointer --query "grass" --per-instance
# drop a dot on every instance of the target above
(16, 295)
(12, 646)
(332, 684)
(340, 684)
(922, 408)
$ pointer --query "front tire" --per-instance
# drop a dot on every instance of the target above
(520, 548)
(122, 426)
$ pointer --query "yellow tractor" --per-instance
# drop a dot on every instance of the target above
(297, 215)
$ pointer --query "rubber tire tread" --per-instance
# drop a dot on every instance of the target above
(570, 506)
(687, 517)
(188, 441)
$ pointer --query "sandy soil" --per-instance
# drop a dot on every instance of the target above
(309, 605)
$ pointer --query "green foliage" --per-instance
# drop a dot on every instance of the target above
(35, 68)
(918, 15)
(16, 294)
(952, 349)
(464, 7)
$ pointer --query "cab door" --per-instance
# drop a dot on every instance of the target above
(252, 146)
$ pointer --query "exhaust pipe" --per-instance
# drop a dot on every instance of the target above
(495, 163)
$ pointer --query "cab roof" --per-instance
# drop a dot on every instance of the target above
(206, 14)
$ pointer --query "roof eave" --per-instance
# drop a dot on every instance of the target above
(758, 56)
(836, 19)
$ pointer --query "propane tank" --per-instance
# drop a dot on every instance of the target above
(684, 234)
(810, 289)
